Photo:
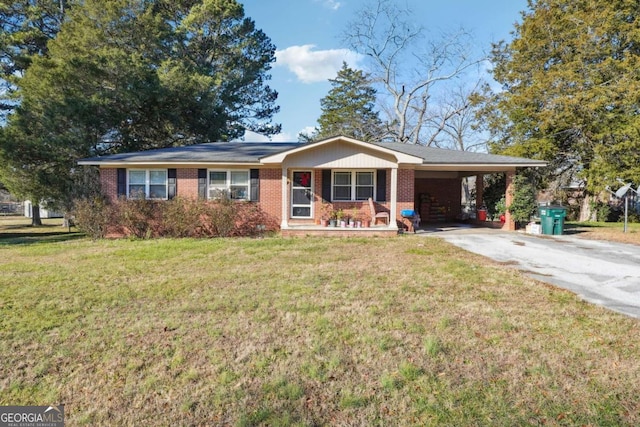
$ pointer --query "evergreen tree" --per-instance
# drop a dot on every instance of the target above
(124, 75)
(26, 26)
(348, 108)
(571, 89)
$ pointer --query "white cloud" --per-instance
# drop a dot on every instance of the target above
(330, 4)
(308, 130)
(256, 137)
(315, 66)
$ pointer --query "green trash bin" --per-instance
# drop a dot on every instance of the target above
(552, 219)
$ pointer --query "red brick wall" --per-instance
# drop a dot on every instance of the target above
(406, 192)
(447, 192)
(270, 189)
(509, 223)
(109, 183)
(187, 186)
(320, 209)
(187, 183)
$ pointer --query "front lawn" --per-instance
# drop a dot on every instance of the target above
(612, 231)
(317, 331)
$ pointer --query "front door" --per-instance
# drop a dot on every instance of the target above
(302, 194)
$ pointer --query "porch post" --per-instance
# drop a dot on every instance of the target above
(285, 206)
(509, 224)
(394, 199)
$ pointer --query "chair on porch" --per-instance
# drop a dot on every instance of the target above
(377, 215)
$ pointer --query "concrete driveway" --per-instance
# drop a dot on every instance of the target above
(604, 273)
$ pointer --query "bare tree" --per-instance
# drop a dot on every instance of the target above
(457, 120)
(408, 67)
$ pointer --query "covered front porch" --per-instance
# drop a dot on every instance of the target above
(335, 179)
(338, 176)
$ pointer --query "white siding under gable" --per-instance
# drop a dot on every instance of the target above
(341, 156)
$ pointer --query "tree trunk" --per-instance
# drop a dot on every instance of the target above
(36, 221)
(586, 213)
(466, 190)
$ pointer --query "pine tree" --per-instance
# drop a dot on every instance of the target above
(123, 75)
(348, 108)
(26, 26)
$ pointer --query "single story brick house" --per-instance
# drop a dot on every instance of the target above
(296, 183)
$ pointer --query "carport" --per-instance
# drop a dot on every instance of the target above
(437, 192)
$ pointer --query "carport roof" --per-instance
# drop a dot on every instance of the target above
(441, 156)
(253, 152)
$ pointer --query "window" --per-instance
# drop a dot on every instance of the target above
(364, 185)
(353, 185)
(233, 184)
(150, 184)
(342, 186)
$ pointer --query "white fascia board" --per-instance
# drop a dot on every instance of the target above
(166, 164)
(479, 166)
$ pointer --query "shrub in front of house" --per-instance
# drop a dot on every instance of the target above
(92, 216)
(140, 217)
(179, 217)
(228, 218)
(219, 218)
(250, 220)
(182, 217)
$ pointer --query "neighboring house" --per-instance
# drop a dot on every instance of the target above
(295, 182)
(44, 213)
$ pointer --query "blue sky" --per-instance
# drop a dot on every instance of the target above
(307, 35)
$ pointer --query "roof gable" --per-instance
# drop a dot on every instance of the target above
(373, 150)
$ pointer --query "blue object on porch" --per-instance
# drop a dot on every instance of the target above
(408, 212)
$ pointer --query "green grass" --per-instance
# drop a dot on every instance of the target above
(402, 331)
(613, 231)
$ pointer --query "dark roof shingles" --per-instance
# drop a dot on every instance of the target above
(252, 152)
(220, 152)
(432, 155)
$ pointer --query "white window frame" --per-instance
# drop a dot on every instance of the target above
(293, 206)
(354, 174)
(227, 186)
(148, 184)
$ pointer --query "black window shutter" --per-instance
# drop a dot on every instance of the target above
(326, 185)
(122, 182)
(254, 184)
(202, 183)
(381, 185)
(172, 183)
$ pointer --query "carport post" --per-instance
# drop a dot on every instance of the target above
(509, 224)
